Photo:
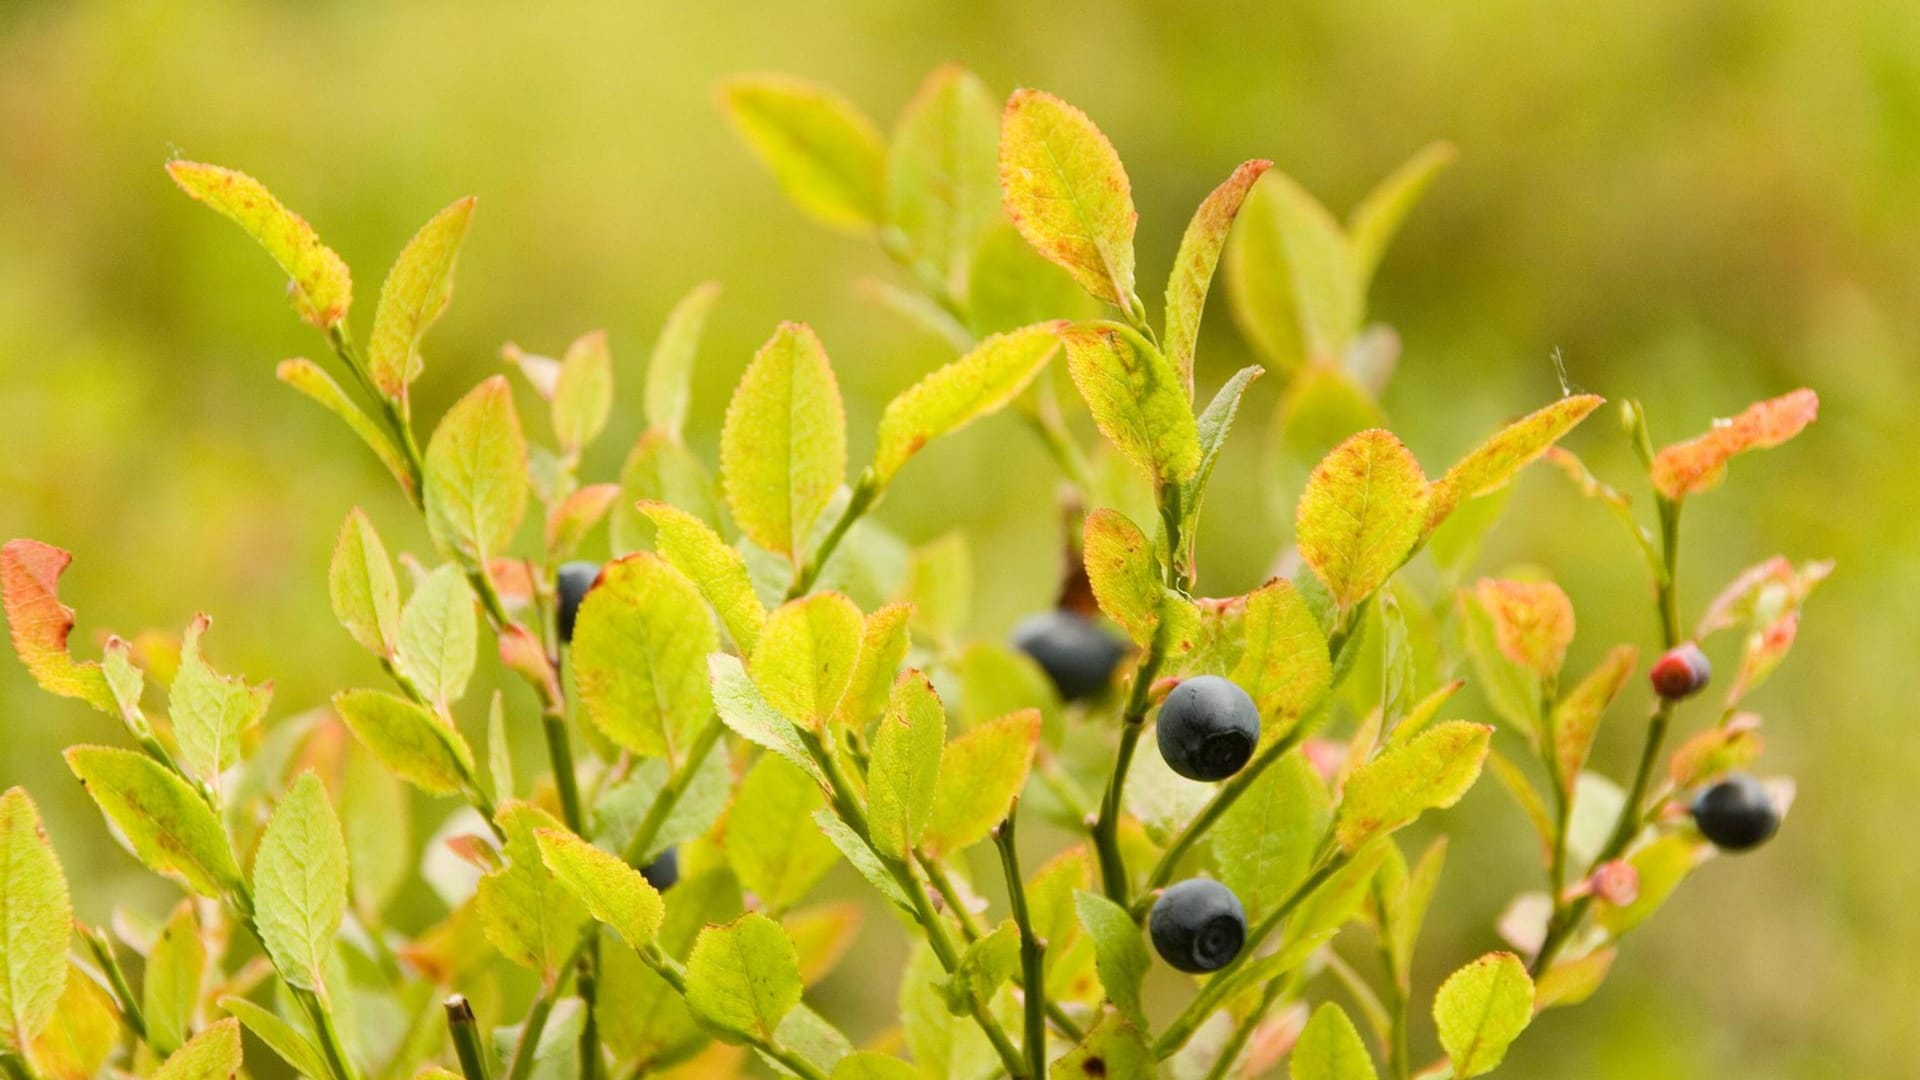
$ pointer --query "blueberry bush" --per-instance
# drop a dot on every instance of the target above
(764, 683)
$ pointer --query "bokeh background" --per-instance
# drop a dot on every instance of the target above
(1696, 203)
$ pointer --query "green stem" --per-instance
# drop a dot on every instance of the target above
(1243, 1031)
(534, 1026)
(1106, 828)
(865, 493)
(467, 1044)
(560, 757)
(676, 977)
(103, 955)
(241, 902)
(589, 989)
(1032, 949)
(1397, 992)
(641, 845)
(971, 930)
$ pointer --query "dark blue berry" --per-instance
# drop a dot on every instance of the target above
(570, 586)
(1208, 728)
(664, 870)
(1198, 925)
(1077, 654)
(1736, 814)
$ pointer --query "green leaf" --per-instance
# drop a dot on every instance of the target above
(1330, 1049)
(210, 711)
(641, 1018)
(1123, 572)
(614, 893)
(905, 768)
(742, 709)
(827, 156)
(1284, 667)
(1120, 954)
(1263, 846)
(1372, 224)
(1481, 1009)
(1408, 911)
(1137, 399)
(1492, 464)
(170, 990)
(783, 446)
(996, 679)
(805, 657)
(716, 569)
(639, 657)
(1291, 277)
(984, 967)
(1660, 867)
(809, 1035)
(1116, 1049)
(83, 1034)
(670, 367)
(659, 469)
(883, 648)
(583, 392)
(1013, 285)
(771, 841)
(1576, 718)
(871, 1065)
(1429, 772)
(743, 978)
(1193, 266)
(413, 297)
(476, 473)
(619, 811)
(168, 826)
(424, 749)
(360, 582)
(293, 1047)
(36, 918)
(322, 287)
(1215, 423)
(1362, 514)
(40, 624)
(528, 913)
(439, 637)
(1321, 407)
(940, 587)
(864, 859)
(981, 773)
(942, 180)
(1068, 194)
(307, 377)
(1571, 982)
(981, 383)
(214, 1054)
(300, 883)
(942, 1044)
(375, 816)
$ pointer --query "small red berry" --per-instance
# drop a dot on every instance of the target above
(1681, 673)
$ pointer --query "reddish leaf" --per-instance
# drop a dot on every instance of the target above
(1700, 463)
(40, 624)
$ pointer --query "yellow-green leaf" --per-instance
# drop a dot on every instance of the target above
(293, 1047)
(176, 968)
(1532, 622)
(168, 826)
(1213, 426)
(748, 715)
(1361, 514)
(528, 914)
(1263, 846)
(1123, 572)
(300, 883)
(615, 893)
(783, 447)
(659, 469)
(988, 962)
(322, 287)
(1068, 194)
(1428, 772)
(1290, 276)
(305, 376)
(716, 569)
(1493, 463)
(1481, 1009)
(40, 624)
(805, 657)
(1137, 399)
(872, 1065)
(209, 710)
(826, 155)
(439, 637)
(1330, 1049)
(942, 176)
(980, 774)
(670, 366)
(1577, 717)
(1660, 867)
(883, 647)
(772, 844)
(1120, 956)
(476, 473)
(360, 582)
(214, 1054)
(1284, 666)
(83, 1033)
(743, 978)
(639, 656)
(905, 768)
(978, 384)
(583, 392)
(414, 296)
(1116, 1049)
(422, 748)
(1372, 224)
(1194, 264)
(573, 517)
(36, 918)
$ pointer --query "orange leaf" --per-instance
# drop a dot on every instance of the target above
(1532, 622)
(1700, 463)
(39, 623)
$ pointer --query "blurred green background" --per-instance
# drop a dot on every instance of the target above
(1697, 203)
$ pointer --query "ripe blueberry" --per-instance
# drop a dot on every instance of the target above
(1198, 925)
(1736, 814)
(1681, 672)
(570, 586)
(1208, 728)
(664, 870)
(1077, 655)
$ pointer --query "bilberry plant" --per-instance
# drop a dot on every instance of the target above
(764, 682)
